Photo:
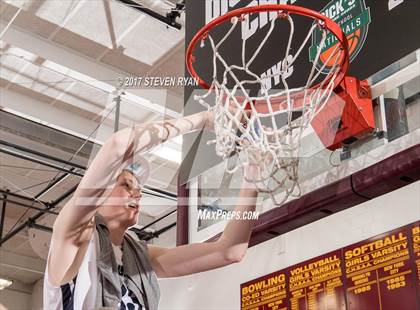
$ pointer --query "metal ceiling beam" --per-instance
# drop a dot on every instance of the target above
(34, 110)
(64, 196)
(31, 106)
(146, 236)
(155, 221)
(38, 161)
(28, 199)
(157, 233)
(169, 19)
(32, 220)
(151, 190)
(52, 205)
(46, 156)
(33, 200)
(3, 215)
(40, 227)
(20, 227)
(71, 59)
(162, 193)
(20, 204)
(147, 189)
(51, 185)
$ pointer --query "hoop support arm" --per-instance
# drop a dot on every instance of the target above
(336, 125)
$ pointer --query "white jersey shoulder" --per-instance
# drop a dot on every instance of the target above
(84, 291)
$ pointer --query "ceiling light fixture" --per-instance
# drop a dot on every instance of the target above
(167, 153)
(4, 283)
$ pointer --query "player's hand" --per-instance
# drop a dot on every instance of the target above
(234, 111)
(255, 169)
(209, 120)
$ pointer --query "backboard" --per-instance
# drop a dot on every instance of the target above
(391, 68)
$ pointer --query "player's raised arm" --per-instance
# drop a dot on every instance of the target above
(117, 152)
(229, 248)
(74, 225)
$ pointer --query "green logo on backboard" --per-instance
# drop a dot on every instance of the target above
(354, 19)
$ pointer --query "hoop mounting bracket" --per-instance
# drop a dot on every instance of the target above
(336, 124)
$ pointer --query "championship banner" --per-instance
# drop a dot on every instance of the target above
(415, 234)
(317, 282)
(269, 290)
(379, 273)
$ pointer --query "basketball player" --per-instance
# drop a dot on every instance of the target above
(95, 262)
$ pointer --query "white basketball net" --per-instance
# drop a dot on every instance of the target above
(240, 130)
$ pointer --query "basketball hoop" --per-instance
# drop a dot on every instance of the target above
(245, 125)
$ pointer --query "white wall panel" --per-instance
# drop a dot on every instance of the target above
(220, 289)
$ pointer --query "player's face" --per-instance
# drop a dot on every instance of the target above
(123, 203)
